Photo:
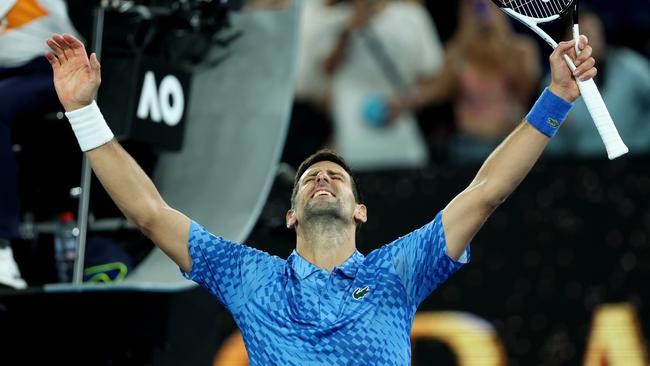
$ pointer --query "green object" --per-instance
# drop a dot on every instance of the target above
(101, 273)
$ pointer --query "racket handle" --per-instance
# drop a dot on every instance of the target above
(576, 37)
(600, 115)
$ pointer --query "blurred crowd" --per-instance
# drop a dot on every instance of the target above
(379, 84)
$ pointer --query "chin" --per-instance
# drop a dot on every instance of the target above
(323, 210)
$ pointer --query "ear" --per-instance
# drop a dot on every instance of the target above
(361, 214)
(291, 219)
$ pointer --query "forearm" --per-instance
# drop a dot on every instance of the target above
(501, 173)
(121, 176)
(337, 55)
(426, 91)
(126, 183)
(136, 196)
(509, 163)
(433, 89)
(507, 166)
(421, 94)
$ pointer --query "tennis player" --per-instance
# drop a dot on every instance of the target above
(326, 304)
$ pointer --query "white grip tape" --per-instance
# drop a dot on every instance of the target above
(600, 115)
(576, 38)
(89, 127)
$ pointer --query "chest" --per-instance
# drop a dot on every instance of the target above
(326, 301)
(483, 83)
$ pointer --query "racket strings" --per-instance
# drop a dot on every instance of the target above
(534, 8)
(538, 8)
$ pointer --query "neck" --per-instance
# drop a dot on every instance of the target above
(326, 245)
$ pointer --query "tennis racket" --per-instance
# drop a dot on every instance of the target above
(534, 12)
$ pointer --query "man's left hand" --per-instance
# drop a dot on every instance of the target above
(563, 83)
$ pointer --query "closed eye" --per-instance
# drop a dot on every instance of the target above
(335, 175)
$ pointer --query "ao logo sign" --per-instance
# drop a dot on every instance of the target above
(166, 103)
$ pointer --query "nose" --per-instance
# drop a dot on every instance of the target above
(322, 176)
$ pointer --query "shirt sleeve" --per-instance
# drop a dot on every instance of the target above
(421, 261)
(230, 271)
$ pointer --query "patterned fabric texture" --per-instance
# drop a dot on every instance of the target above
(292, 313)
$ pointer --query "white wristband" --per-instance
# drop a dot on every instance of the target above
(89, 126)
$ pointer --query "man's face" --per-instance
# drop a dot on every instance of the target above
(325, 192)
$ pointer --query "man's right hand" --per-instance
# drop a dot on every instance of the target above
(76, 77)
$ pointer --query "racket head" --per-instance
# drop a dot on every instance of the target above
(538, 9)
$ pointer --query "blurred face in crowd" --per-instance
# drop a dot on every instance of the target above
(592, 27)
(325, 195)
(482, 14)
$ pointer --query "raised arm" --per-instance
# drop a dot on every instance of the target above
(507, 166)
(77, 79)
(361, 13)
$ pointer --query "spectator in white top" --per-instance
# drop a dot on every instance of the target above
(379, 52)
(27, 93)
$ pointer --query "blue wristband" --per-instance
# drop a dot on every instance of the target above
(548, 113)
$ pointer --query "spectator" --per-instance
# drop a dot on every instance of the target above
(490, 75)
(380, 51)
(624, 82)
(27, 92)
(311, 123)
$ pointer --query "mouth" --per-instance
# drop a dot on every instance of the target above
(322, 192)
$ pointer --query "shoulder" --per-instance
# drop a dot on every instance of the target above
(215, 246)
(431, 231)
(380, 257)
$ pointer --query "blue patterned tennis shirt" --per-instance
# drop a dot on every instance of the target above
(290, 312)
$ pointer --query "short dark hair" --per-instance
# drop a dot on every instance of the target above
(317, 157)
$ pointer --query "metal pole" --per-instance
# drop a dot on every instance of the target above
(86, 172)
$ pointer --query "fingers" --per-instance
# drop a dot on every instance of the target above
(584, 62)
(75, 45)
(591, 73)
(95, 67)
(57, 49)
(584, 55)
(566, 47)
(52, 60)
(584, 69)
(583, 41)
(65, 46)
(94, 63)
